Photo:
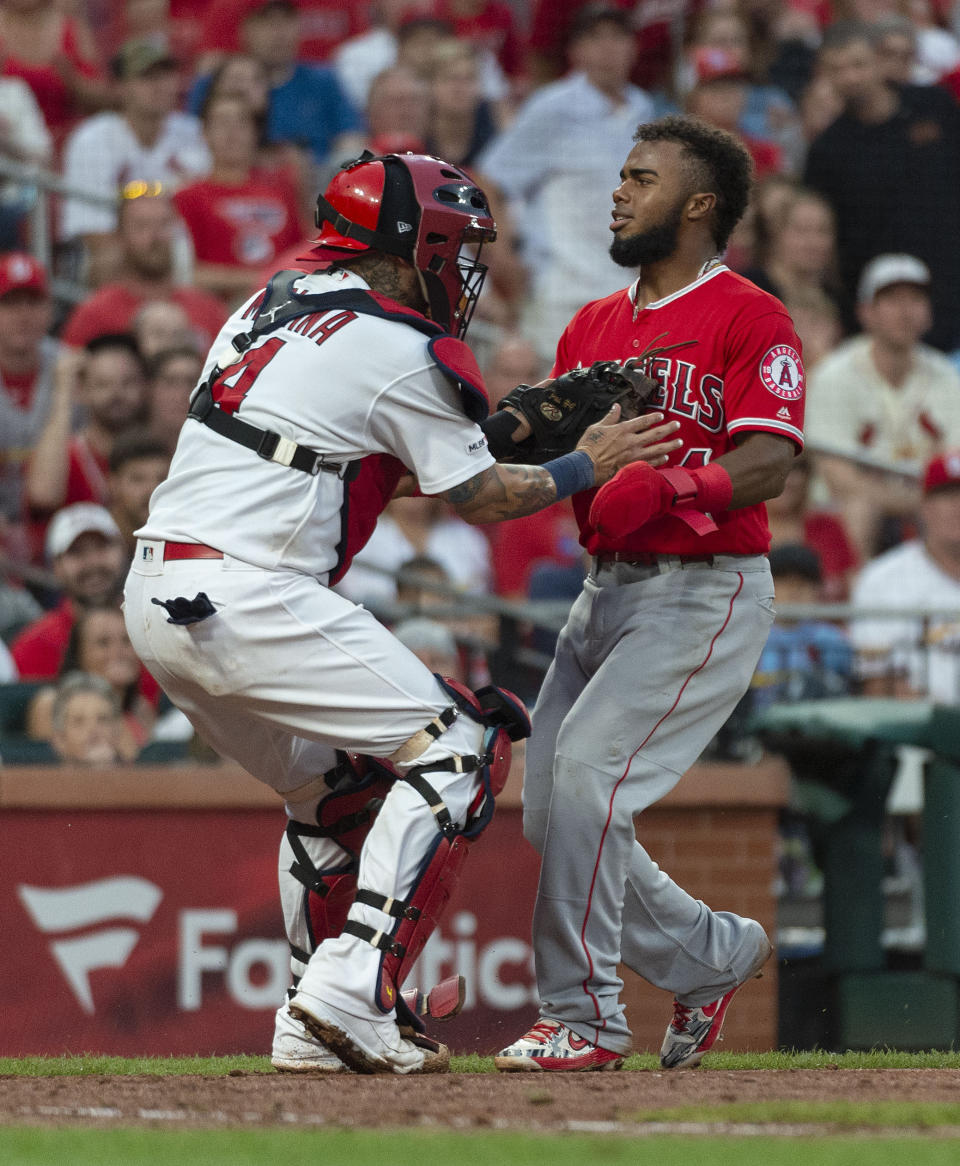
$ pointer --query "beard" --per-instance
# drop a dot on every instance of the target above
(151, 263)
(649, 246)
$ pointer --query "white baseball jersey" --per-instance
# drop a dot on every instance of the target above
(345, 384)
(926, 651)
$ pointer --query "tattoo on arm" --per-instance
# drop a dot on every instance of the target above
(503, 491)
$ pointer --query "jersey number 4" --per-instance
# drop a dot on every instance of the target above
(696, 457)
(235, 382)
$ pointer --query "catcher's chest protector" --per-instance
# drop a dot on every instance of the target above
(368, 484)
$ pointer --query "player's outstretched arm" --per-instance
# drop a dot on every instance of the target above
(509, 491)
(756, 470)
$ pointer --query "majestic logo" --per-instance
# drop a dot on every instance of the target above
(69, 908)
(784, 413)
(782, 372)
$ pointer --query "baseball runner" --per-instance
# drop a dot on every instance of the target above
(318, 396)
(663, 639)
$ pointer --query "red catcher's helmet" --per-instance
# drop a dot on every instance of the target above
(419, 208)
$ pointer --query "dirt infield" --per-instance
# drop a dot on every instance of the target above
(597, 1102)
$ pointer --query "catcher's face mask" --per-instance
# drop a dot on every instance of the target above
(419, 208)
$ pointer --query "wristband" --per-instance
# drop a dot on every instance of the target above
(714, 488)
(571, 473)
(498, 430)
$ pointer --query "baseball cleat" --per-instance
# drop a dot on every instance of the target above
(694, 1030)
(296, 1051)
(551, 1045)
(366, 1046)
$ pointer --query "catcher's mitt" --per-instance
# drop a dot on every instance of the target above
(560, 411)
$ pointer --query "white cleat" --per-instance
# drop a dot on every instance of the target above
(695, 1030)
(367, 1046)
(295, 1050)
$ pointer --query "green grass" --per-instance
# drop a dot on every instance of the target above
(41, 1147)
(70, 1065)
(849, 1114)
(887, 1133)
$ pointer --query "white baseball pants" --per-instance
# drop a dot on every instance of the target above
(283, 674)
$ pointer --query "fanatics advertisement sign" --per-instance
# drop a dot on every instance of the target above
(159, 932)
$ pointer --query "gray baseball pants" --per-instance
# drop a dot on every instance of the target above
(649, 666)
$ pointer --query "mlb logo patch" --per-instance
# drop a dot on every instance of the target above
(147, 554)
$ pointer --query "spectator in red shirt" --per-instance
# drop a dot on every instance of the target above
(240, 217)
(160, 325)
(109, 381)
(487, 24)
(791, 521)
(86, 555)
(655, 23)
(719, 97)
(145, 229)
(55, 54)
(99, 646)
(324, 24)
(27, 360)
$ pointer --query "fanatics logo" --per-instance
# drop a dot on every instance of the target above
(782, 372)
(91, 906)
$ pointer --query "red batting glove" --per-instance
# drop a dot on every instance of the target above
(639, 493)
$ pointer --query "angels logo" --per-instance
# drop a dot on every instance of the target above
(66, 909)
(782, 372)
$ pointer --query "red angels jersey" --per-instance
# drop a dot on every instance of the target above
(739, 371)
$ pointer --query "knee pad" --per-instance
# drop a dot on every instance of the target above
(505, 719)
(357, 787)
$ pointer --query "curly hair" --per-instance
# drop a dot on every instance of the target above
(714, 161)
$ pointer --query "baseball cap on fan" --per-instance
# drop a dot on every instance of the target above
(887, 271)
(68, 524)
(717, 64)
(21, 272)
(942, 472)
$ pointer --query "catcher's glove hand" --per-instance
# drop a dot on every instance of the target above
(559, 412)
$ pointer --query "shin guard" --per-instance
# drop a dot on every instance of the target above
(505, 720)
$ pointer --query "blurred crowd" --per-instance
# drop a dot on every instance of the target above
(190, 140)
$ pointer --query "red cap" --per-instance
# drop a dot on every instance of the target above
(21, 272)
(943, 470)
(711, 64)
